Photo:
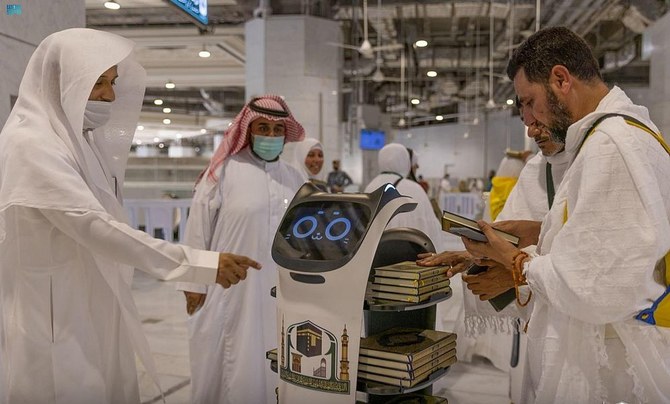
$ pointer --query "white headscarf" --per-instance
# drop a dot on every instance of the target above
(295, 154)
(46, 124)
(394, 158)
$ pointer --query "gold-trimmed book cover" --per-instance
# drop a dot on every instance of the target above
(403, 382)
(408, 374)
(409, 270)
(405, 366)
(398, 297)
(415, 290)
(409, 283)
(405, 344)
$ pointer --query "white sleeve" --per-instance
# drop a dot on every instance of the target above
(200, 225)
(103, 235)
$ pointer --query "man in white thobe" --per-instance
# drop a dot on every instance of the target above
(600, 242)
(70, 329)
(237, 207)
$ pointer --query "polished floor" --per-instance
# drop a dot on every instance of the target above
(163, 314)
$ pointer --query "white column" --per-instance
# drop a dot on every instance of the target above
(20, 33)
(289, 55)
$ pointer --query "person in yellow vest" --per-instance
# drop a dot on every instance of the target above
(505, 178)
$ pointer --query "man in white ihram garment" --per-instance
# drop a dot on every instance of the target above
(600, 244)
(394, 164)
(528, 200)
(237, 206)
(70, 329)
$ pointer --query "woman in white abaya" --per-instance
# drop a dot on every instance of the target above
(70, 329)
(307, 157)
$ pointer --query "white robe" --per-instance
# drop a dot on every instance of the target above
(230, 334)
(595, 272)
(70, 329)
(395, 160)
(527, 201)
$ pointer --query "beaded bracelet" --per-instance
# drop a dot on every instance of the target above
(519, 278)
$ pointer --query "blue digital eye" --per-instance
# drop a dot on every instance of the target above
(310, 230)
(340, 234)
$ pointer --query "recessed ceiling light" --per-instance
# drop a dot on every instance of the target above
(510, 102)
(112, 5)
(439, 118)
(203, 131)
(167, 110)
(204, 53)
(421, 43)
(157, 139)
(431, 73)
(140, 127)
(415, 101)
(170, 84)
(158, 101)
(167, 121)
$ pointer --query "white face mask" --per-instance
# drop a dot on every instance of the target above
(97, 114)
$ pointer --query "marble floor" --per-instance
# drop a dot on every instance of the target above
(163, 315)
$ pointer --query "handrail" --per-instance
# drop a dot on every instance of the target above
(168, 216)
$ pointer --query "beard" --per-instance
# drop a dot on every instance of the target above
(561, 121)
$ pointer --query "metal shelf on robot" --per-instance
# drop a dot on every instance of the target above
(389, 305)
(381, 389)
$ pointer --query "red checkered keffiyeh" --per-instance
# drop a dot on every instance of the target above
(237, 137)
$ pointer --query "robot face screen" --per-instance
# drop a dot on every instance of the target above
(323, 230)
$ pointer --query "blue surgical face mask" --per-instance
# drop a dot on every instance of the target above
(268, 147)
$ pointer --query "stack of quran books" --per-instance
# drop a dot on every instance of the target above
(408, 282)
(405, 357)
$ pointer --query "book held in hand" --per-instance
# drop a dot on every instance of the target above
(462, 226)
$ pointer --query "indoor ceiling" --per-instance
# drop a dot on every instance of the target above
(468, 45)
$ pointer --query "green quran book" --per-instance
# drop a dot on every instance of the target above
(409, 270)
(409, 298)
(409, 283)
(404, 382)
(405, 366)
(405, 344)
(412, 290)
(410, 374)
